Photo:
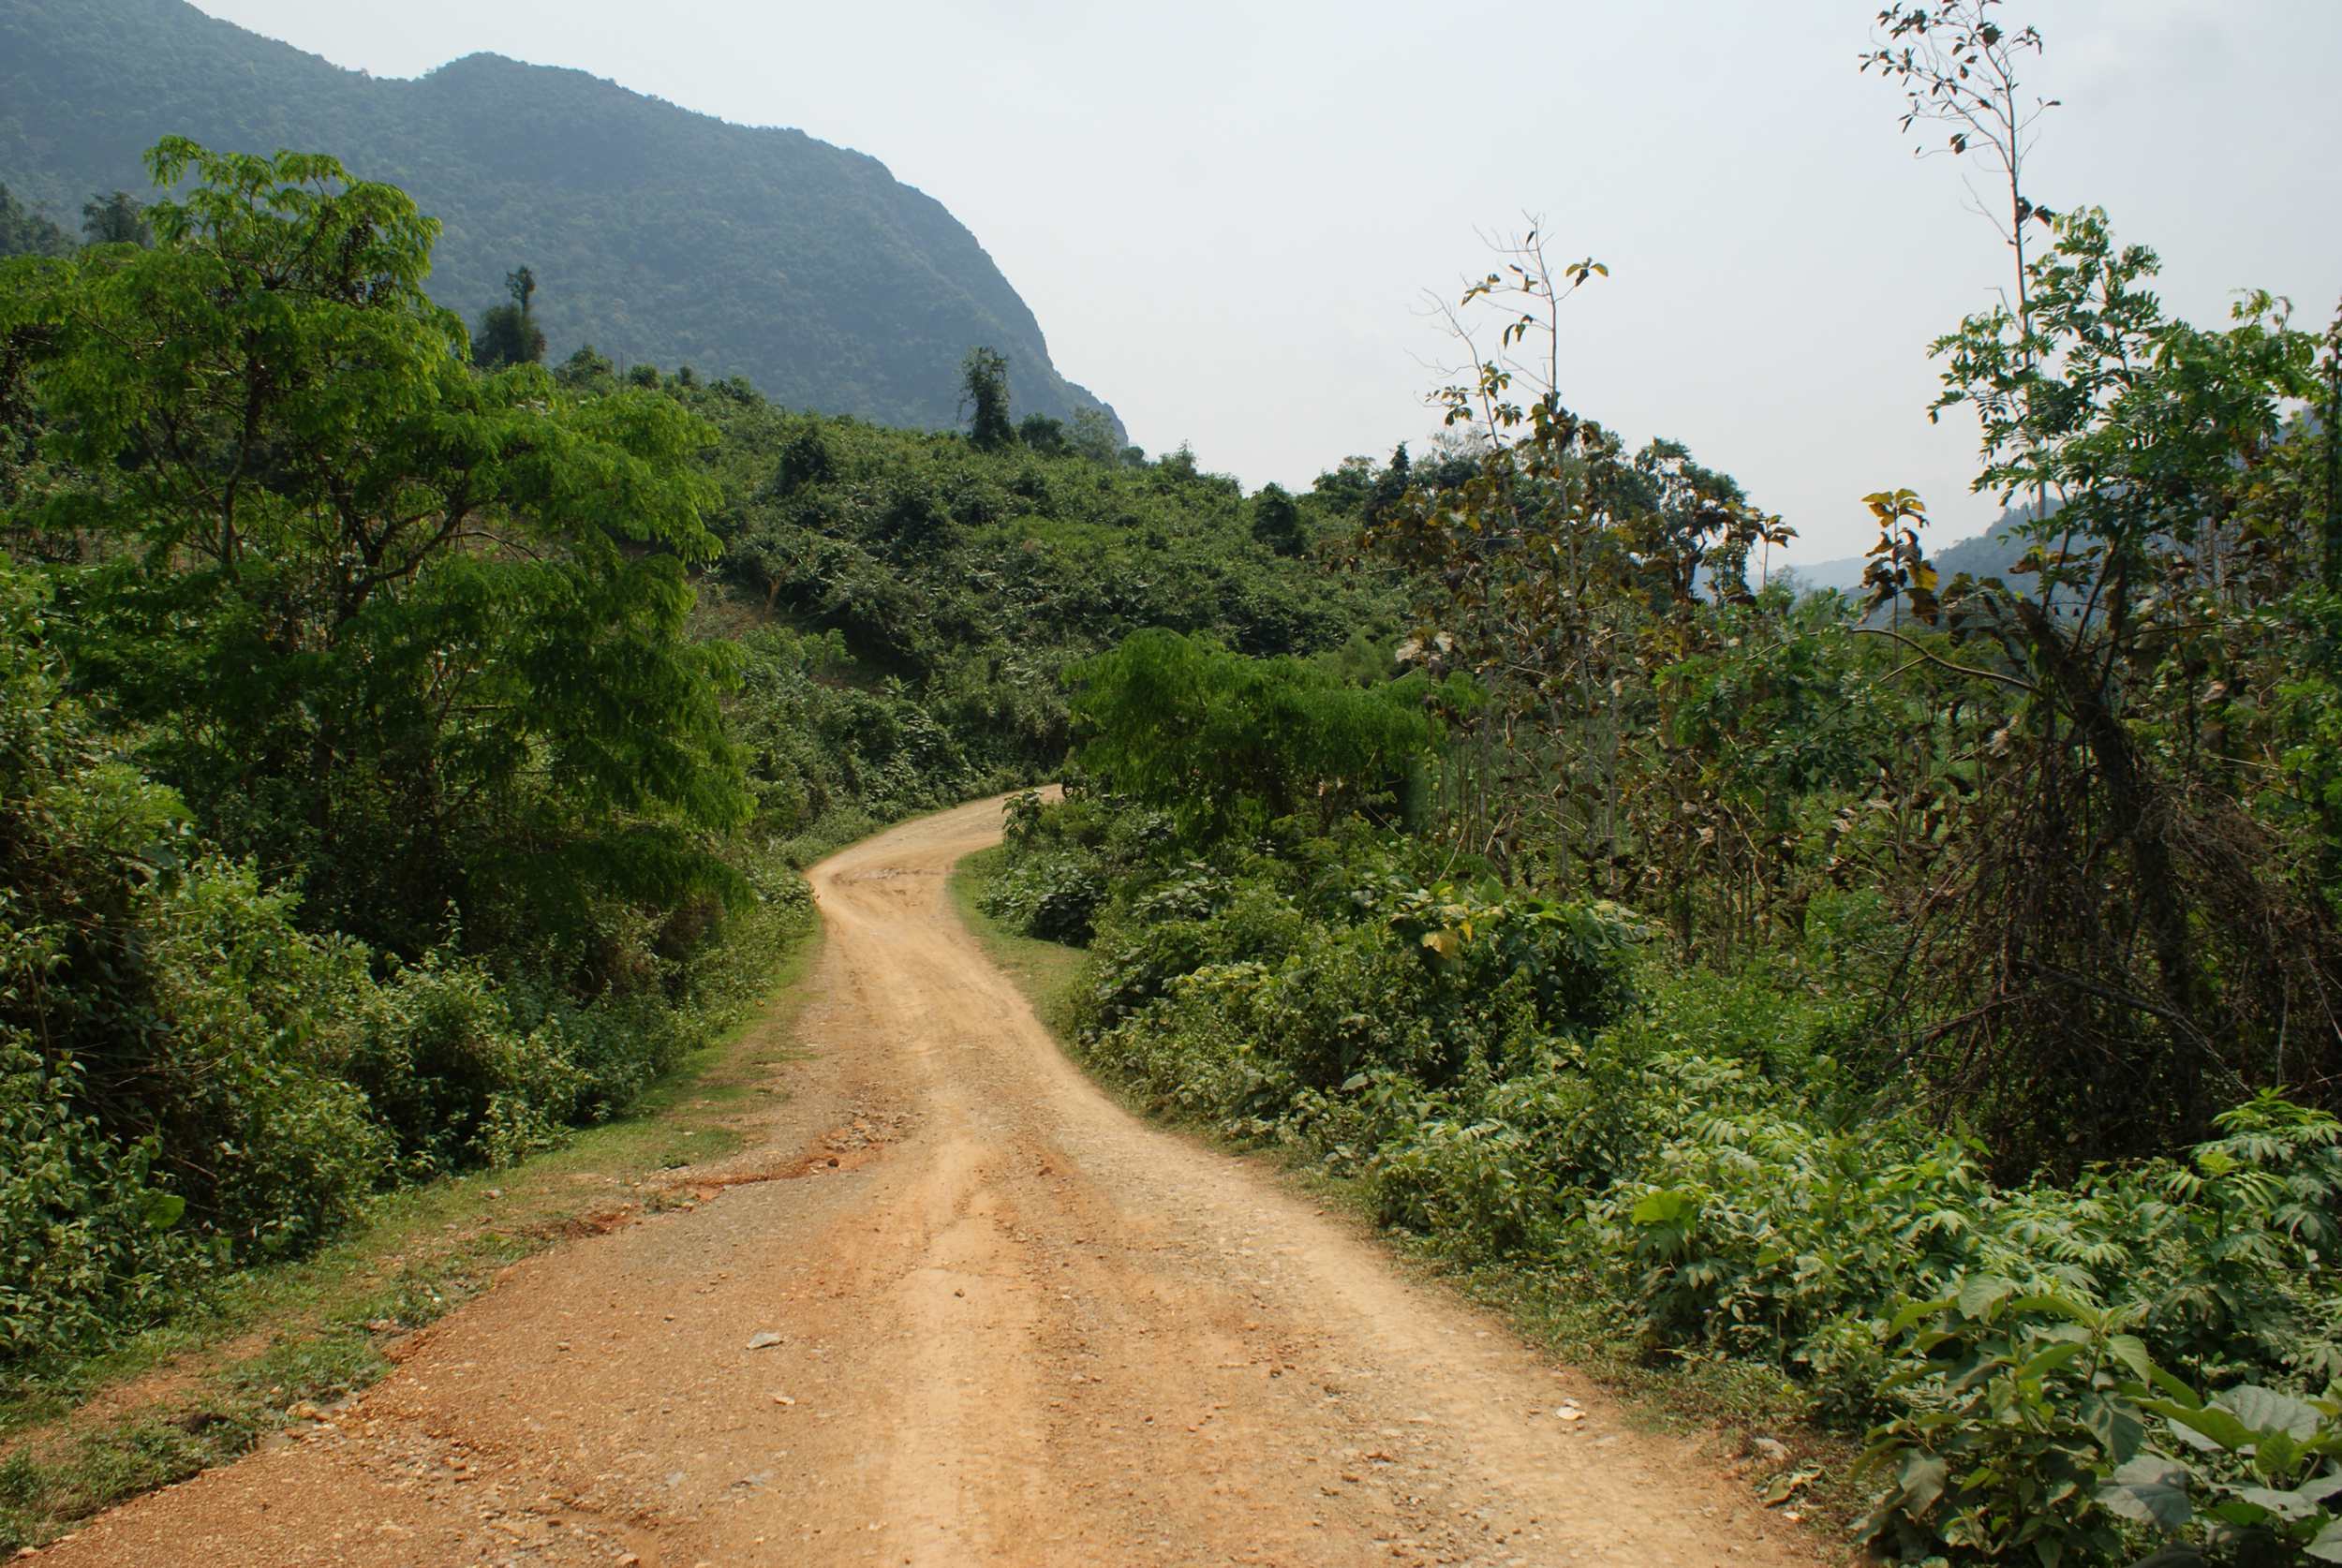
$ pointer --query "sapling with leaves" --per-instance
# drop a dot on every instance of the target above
(1562, 575)
(2125, 947)
(1957, 64)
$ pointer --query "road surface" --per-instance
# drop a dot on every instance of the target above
(954, 1306)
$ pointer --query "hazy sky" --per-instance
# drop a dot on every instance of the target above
(1225, 214)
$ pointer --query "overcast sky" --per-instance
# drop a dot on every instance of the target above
(1225, 214)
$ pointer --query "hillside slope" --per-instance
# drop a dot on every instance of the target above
(654, 233)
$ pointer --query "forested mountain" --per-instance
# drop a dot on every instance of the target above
(657, 234)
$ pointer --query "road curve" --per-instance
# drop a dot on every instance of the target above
(1015, 1326)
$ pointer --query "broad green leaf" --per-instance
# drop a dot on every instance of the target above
(1981, 1292)
(2216, 1428)
(2133, 1353)
(2054, 1357)
(2265, 1410)
(2115, 1423)
(1915, 1311)
(1924, 1477)
(1661, 1208)
(2275, 1454)
(2149, 1489)
(2285, 1505)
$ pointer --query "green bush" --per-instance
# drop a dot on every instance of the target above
(2035, 1426)
(1054, 898)
(443, 1066)
(1511, 1078)
(88, 1241)
(244, 1073)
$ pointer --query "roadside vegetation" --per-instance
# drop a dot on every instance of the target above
(1920, 1005)
(1930, 996)
(265, 1350)
(407, 752)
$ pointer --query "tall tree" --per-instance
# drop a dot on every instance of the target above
(2107, 914)
(26, 233)
(405, 632)
(509, 333)
(115, 220)
(983, 398)
(1276, 520)
(1957, 64)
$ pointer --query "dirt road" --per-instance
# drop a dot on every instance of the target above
(956, 1307)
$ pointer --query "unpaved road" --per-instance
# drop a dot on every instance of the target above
(1015, 1326)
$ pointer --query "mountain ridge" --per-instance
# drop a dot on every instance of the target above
(655, 232)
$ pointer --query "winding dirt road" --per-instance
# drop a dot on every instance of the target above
(956, 1307)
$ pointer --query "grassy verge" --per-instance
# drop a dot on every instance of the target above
(273, 1344)
(1559, 1310)
(1044, 971)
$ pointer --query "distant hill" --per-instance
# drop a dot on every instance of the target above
(654, 233)
(1990, 553)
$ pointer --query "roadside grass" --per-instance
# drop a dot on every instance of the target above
(1559, 1310)
(1046, 971)
(270, 1346)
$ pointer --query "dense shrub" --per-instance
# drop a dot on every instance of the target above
(1518, 1079)
(1054, 898)
(88, 1241)
(190, 1078)
(241, 1076)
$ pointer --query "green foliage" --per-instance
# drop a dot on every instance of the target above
(1276, 520)
(2038, 1426)
(2014, 1421)
(87, 1240)
(1228, 743)
(438, 791)
(88, 1229)
(115, 220)
(983, 398)
(1043, 435)
(445, 863)
(24, 233)
(1525, 1081)
(2122, 838)
(509, 333)
(2257, 1477)
(958, 584)
(1054, 898)
(241, 1076)
(441, 631)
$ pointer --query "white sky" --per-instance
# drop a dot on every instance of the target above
(1225, 215)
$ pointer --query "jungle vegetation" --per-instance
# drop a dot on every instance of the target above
(407, 751)
(1931, 991)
